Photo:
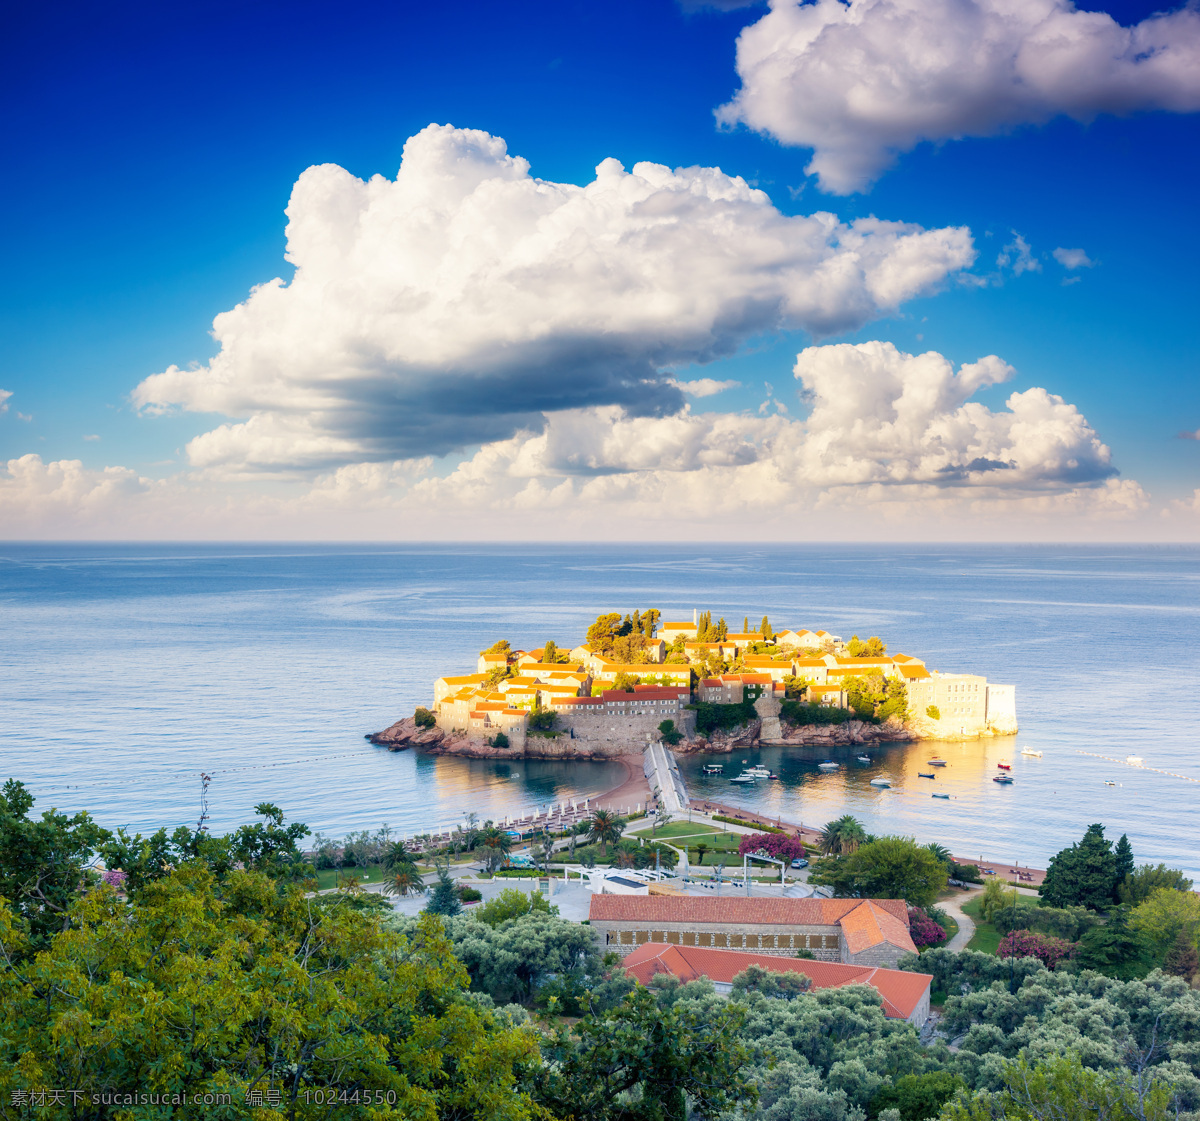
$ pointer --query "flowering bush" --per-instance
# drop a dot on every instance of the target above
(924, 931)
(114, 877)
(1025, 944)
(779, 845)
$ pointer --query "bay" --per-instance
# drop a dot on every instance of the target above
(127, 669)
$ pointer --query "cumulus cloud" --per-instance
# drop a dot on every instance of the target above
(861, 82)
(466, 299)
(5, 394)
(1018, 256)
(1185, 435)
(894, 443)
(704, 387)
(1072, 258)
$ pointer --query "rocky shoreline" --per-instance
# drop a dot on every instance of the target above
(854, 733)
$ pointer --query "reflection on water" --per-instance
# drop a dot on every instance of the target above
(981, 818)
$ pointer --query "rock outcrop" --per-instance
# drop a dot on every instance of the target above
(852, 733)
(405, 733)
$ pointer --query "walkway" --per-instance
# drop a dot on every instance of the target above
(966, 928)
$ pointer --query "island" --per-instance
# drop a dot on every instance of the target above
(696, 686)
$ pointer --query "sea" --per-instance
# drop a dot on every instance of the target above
(128, 671)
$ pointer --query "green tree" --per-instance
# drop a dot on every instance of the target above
(493, 836)
(625, 682)
(670, 734)
(500, 740)
(603, 632)
(1116, 949)
(1123, 854)
(701, 849)
(746, 625)
(842, 836)
(765, 628)
(1182, 959)
(444, 899)
(770, 983)
(1164, 916)
(933, 712)
(996, 896)
(918, 1096)
(641, 1061)
(500, 646)
(405, 880)
(44, 862)
(511, 903)
(202, 985)
(1084, 874)
(423, 718)
(885, 868)
(1061, 1088)
(605, 828)
(1139, 885)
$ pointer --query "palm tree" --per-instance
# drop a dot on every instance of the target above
(494, 837)
(396, 856)
(407, 881)
(842, 836)
(604, 827)
(941, 852)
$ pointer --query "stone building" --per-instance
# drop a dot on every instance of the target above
(872, 932)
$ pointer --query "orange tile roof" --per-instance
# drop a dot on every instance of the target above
(869, 925)
(915, 672)
(713, 682)
(901, 991)
(731, 909)
(755, 678)
(466, 678)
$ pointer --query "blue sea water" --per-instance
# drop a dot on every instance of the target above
(126, 670)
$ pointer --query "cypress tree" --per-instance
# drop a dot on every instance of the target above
(766, 628)
(1125, 866)
(746, 625)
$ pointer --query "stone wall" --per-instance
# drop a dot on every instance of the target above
(631, 732)
(1002, 709)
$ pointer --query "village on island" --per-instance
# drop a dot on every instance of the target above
(700, 687)
(639, 690)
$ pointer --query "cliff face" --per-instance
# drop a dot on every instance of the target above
(405, 733)
(853, 732)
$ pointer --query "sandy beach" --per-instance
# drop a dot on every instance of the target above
(633, 791)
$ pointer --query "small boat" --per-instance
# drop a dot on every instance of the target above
(714, 768)
(758, 771)
(941, 795)
(1109, 782)
(880, 782)
(863, 758)
(1029, 751)
(936, 762)
(1133, 760)
(744, 778)
(926, 774)
(829, 765)
(1004, 766)
(1004, 779)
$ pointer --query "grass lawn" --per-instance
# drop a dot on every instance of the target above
(986, 938)
(327, 877)
(677, 829)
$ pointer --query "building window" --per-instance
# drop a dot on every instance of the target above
(643, 936)
(626, 937)
(689, 939)
(831, 941)
(673, 937)
(704, 939)
(657, 936)
(737, 940)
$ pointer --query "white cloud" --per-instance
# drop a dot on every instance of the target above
(862, 81)
(703, 387)
(1072, 258)
(1018, 256)
(91, 438)
(5, 394)
(466, 299)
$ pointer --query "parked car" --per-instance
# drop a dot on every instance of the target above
(799, 862)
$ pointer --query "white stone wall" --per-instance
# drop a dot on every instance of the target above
(1002, 708)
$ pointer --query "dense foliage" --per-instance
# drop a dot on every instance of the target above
(801, 714)
(781, 846)
(723, 718)
(884, 868)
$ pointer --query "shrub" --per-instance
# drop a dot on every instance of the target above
(933, 712)
(800, 714)
(967, 873)
(469, 894)
(1025, 944)
(500, 740)
(423, 718)
(924, 930)
(743, 821)
(114, 877)
(713, 718)
(781, 846)
(670, 734)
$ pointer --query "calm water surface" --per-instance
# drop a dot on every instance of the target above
(125, 670)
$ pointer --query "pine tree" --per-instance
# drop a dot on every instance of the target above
(444, 900)
(1182, 959)
(1125, 865)
(1083, 875)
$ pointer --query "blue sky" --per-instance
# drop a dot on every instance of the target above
(151, 151)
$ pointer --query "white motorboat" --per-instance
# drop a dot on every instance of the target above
(758, 771)
(880, 782)
(714, 768)
(939, 762)
(1030, 751)
(863, 758)
(1133, 760)
(744, 779)
(829, 765)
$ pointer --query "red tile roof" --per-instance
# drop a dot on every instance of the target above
(729, 909)
(901, 991)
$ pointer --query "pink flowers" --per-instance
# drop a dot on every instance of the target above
(924, 931)
(114, 877)
(779, 845)
(1025, 944)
